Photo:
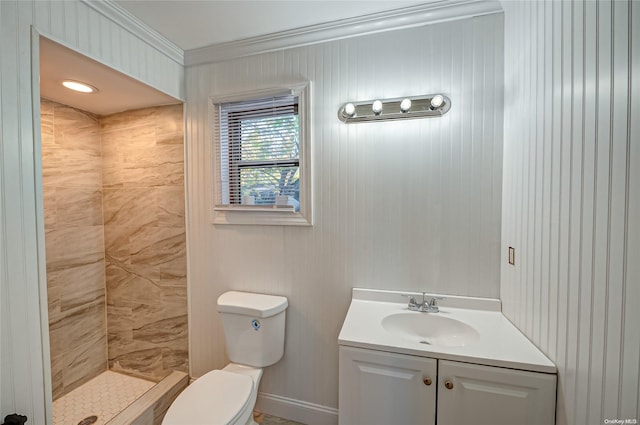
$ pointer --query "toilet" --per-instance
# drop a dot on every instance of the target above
(254, 334)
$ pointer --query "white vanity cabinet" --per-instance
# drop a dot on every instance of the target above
(464, 365)
(381, 388)
(487, 395)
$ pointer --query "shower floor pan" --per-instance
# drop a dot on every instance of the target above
(113, 398)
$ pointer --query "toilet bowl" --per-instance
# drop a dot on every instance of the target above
(254, 334)
(224, 396)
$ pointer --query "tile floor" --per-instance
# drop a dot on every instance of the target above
(263, 419)
(104, 396)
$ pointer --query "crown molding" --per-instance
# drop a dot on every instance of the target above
(408, 17)
(120, 16)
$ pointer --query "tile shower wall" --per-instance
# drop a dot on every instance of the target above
(143, 198)
(115, 242)
(72, 181)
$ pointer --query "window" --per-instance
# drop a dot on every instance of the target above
(261, 159)
(259, 151)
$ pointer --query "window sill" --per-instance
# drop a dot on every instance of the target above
(265, 216)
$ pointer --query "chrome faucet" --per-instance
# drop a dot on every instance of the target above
(425, 306)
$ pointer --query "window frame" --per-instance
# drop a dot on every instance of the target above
(264, 215)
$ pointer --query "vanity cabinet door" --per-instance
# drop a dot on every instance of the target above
(474, 394)
(380, 388)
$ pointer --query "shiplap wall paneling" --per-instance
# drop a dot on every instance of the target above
(20, 339)
(571, 197)
(398, 205)
(630, 393)
(94, 33)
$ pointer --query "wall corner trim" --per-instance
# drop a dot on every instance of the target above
(407, 17)
(112, 11)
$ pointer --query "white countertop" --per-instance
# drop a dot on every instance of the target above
(500, 343)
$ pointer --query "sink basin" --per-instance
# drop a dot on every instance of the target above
(430, 329)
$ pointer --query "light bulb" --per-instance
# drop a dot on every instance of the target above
(349, 110)
(78, 86)
(377, 107)
(405, 105)
(436, 102)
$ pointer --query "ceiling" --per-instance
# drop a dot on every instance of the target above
(190, 25)
(116, 92)
(193, 24)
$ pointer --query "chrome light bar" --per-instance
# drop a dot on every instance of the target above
(433, 105)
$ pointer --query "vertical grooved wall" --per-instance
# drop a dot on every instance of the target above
(571, 197)
(404, 205)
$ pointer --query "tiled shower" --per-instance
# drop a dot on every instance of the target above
(115, 243)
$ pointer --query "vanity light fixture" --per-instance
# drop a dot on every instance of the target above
(433, 105)
(79, 87)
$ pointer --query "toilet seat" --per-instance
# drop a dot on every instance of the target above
(216, 398)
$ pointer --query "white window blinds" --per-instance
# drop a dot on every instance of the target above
(258, 153)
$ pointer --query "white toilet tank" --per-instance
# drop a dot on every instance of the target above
(253, 327)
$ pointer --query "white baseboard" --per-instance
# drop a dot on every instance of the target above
(296, 410)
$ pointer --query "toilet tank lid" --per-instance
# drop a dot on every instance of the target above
(249, 304)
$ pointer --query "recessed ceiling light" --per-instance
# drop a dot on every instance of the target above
(78, 86)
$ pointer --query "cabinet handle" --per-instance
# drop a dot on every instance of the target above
(448, 384)
(427, 381)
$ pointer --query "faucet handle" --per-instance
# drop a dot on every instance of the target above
(413, 304)
(433, 304)
(434, 300)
